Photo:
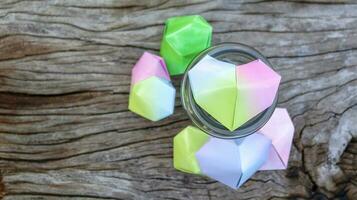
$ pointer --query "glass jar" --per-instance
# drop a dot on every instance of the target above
(237, 54)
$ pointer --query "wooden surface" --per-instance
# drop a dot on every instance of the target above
(66, 132)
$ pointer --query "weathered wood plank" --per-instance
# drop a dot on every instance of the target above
(66, 132)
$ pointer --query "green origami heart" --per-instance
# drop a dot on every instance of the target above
(186, 144)
(184, 37)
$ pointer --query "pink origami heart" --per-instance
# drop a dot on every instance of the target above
(280, 130)
(257, 86)
(149, 65)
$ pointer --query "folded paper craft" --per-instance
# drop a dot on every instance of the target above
(183, 38)
(241, 91)
(257, 86)
(231, 94)
(280, 130)
(213, 83)
(152, 98)
(149, 65)
(186, 144)
(151, 94)
(233, 162)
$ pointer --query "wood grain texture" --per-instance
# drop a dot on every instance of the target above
(66, 132)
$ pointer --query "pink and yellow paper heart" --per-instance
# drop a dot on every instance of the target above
(151, 94)
(233, 94)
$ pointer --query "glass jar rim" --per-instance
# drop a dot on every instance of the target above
(201, 118)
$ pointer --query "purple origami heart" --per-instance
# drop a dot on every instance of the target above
(233, 162)
(280, 130)
(149, 65)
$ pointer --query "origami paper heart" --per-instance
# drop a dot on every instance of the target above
(149, 65)
(152, 98)
(233, 94)
(213, 85)
(186, 143)
(231, 162)
(257, 86)
(184, 37)
(280, 130)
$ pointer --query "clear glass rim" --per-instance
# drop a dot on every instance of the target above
(202, 119)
